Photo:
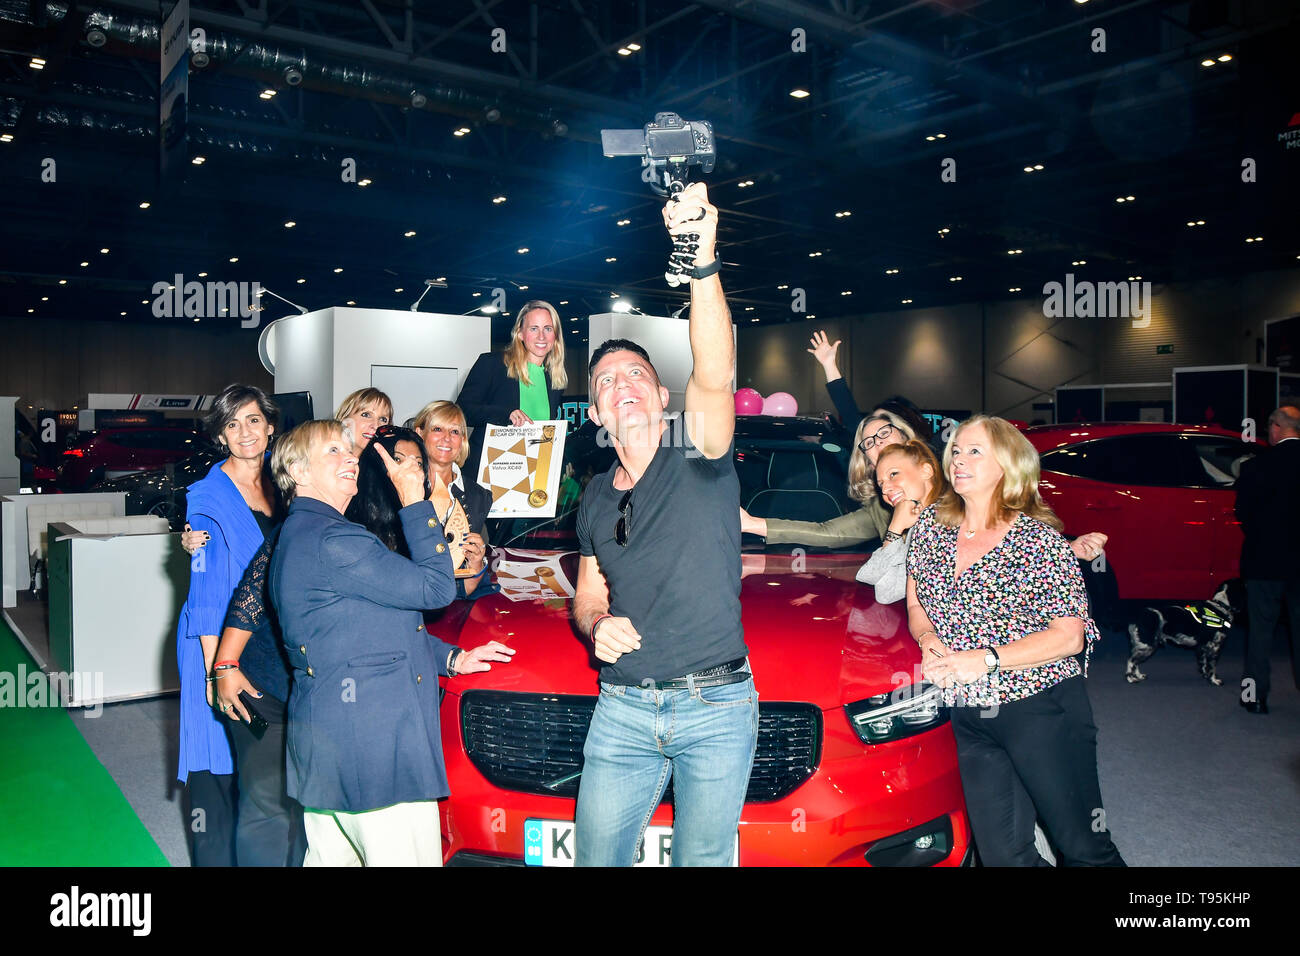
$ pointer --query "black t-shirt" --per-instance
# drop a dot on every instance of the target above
(678, 578)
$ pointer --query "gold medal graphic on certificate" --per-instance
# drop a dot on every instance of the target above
(538, 497)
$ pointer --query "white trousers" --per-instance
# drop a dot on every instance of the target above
(405, 834)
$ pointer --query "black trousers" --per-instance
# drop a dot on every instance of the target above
(210, 818)
(1035, 759)
(269, 831)
(1264, 605)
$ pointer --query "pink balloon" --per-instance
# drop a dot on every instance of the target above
(781, 404)
(748, 402)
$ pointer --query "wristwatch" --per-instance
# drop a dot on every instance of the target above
(991, 660)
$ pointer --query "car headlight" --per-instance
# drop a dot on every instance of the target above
(909, 710)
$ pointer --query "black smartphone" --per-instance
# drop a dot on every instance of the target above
(256, 722)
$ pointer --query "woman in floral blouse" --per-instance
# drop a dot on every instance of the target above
(997, 603)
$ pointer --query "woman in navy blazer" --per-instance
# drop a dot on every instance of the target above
(364, 747)
(496, 390)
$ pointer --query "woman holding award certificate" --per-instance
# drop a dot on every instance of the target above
(521, 385)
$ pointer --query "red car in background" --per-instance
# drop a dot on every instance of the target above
(113, 452)
(856, 762)
(1163, 493)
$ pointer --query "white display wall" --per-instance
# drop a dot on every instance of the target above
(415, 356)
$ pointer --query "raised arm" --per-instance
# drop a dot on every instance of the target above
(710, 401)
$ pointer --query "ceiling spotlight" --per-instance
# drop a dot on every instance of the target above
(1038, 166)
(624, 222)
(564, 302)
(498, 200)
(523, 288)
(1254, 238)
(338, 269)
(954, 278)
(104, 251)
(63, 282)
(891, 272)
(522, 250)
(634, 47)
(398, 289)
(907, 302)
(744, 184)
(144, 205)
(1079, 262)
(843, 214)
(418, 99)
(475, 295)
(46, 298)
(846, 293)
(622, 305)
(6, 137)
(1134, 278)
(37, 63)
(96, 38)
(84, 264)
(121, 313)
(352, 301)
(301, 281)
(1014, 288)
(1225, 57)
(234, 258)
(1015, 252)
(364, 182)
(289, 224)
(199, 160)
(749, 308)
(462, 131)
(783, 287)
(944, 231)
(196, 318)
(611, 259)
(292, 75)
(203, 275)
(813, 255)
(266, 94)
(624, 51)
(409, 233)
(799, 93)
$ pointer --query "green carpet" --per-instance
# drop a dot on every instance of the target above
(58, 805)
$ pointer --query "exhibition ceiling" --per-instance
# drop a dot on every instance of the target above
(877, 155)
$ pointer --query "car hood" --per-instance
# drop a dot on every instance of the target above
(814, 633)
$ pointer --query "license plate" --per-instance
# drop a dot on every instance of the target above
(550, 843)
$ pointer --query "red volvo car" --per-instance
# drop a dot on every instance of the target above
(1162, 492)
(113, 452)
(856, 762)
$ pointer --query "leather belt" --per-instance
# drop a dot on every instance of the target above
(731, 672)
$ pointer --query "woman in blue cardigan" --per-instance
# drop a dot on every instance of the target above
(235, 504)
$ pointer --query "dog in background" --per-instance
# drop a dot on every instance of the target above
(1203, 625)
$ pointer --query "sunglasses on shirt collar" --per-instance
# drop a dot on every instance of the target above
(624, 515)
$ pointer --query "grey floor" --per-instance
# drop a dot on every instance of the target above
(1188, 777)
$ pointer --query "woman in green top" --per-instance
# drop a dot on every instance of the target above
(861, 525)
(521, 385)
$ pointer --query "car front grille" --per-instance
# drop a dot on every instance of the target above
(533, 743)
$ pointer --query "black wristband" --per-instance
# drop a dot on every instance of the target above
(703, 272)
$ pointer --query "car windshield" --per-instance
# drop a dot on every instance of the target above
(788, 468)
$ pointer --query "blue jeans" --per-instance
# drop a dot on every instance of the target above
(703, 739)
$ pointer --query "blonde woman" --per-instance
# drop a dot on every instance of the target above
(910, 480)
(524, 383)
(996, 601)
(364, 412)
(859, 526)
(442, 428)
